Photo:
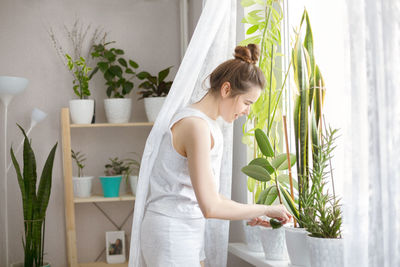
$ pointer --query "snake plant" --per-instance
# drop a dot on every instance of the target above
(34, 201)
(309, 98)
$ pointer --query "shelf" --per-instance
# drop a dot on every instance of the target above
(103, 264)
(100, 198)
(96, 125)
(256, 258)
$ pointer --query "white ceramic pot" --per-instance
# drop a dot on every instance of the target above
(325, 252)
(133, 180)
(81, 110)
(273, 242)
(253, 240)
(82, 186)
(153, 106)
(118, 110)
(296, 243)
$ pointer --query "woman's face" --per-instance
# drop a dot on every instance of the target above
(232, 108)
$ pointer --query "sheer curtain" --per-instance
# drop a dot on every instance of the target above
(372, 135)
(212, 43)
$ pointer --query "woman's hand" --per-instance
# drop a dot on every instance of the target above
(278, 212)
(258, 221)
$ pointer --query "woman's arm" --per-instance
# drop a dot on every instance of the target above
(196, 146)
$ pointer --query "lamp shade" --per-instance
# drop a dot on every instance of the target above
(37, 115)
(10, 86)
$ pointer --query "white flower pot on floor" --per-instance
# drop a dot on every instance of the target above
(81, 110)
(133, 180)
(274, 244)
(296, 243)
(253, 240)
(82, 186)
(153, 106)
(325, 252)
(118, 110)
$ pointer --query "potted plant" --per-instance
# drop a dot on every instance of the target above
(81, 109)
(114, 172)
(118, 73)
(154, 91)
(77, 62)
(82, 183)
(322, 210)
(307, 116)
(132, 172)
(35, 201)
(266, 169)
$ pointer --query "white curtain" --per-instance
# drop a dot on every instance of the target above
(212, 43)
(372, 136)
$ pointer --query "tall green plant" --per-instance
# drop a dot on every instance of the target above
(34, 201)
(81, 76)
(309, 98)
(265, 169)
(322, 215)
(265, 30)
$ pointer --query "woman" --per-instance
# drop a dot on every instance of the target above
(184, 181)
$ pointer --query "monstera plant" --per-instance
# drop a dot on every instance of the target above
(34, 201)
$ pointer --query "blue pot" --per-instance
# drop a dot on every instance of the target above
(110, 185)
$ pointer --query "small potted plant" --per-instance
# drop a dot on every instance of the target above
(82, 183)
(113, 176)
(118, 73)
(322, 210)
(265, 169)
(132, 172)
(78, 36)
(81, 109)
(35, 201)
(154, 91)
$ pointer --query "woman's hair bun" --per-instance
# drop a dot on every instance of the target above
(249, 53)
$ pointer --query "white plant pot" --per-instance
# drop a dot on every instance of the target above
(81, 110)
(82, 186)
(253, 240)
(133, 180)
(325, 252)
(296, 243)
(273, 242)
(153, 106)
(118, 110)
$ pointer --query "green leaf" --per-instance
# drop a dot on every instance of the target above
(263, 162)
(280, 161)
(284, 178)
(251, 183)
(127, 88)
(143, 75)
(122, 62)
(261, 198)
(252, 29)
(103, 66)
(256, 172)
(130, 71)
(133, 64)
(263, 143)
(119, 51)
(272, 195)
(162, 74)
(116, 70)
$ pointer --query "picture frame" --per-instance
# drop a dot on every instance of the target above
(115, 247)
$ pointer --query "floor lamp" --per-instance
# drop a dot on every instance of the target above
(9, 86)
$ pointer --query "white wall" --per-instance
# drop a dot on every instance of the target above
(148, 31)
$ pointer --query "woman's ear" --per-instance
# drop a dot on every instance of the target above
(226, 90)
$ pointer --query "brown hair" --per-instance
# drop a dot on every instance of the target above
(241, 72)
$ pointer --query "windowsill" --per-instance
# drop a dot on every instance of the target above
(256, 258)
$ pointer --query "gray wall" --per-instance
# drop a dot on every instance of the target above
(148, 31)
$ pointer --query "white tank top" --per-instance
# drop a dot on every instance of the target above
(171, 191)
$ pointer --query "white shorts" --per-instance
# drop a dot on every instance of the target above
(172, 242)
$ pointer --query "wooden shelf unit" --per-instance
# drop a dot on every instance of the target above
(70, 200)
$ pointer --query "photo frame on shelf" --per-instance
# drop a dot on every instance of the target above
(115, 247)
